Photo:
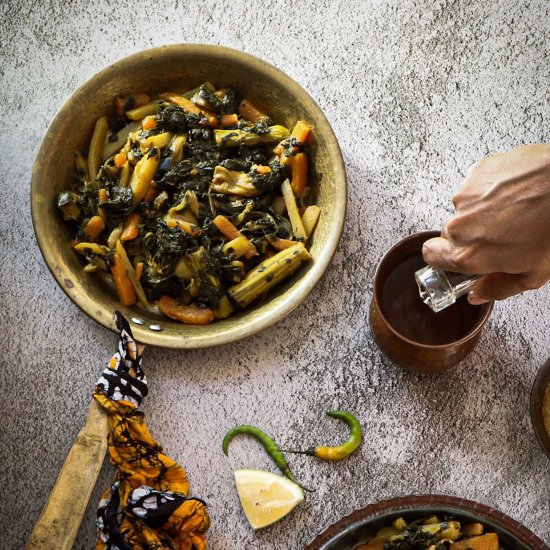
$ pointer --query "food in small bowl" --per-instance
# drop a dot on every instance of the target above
(174, 70)
(195, 202)
(540, 407)
(439, 521)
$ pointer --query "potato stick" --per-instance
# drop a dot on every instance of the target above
(125, 175)
(114, 236)
(124, 288)
(292, 210)
(279, 244)
(225, 308)
(250, 112)
(90, 248)
(109, 148)
(299, 174)
(176, 149)
(189, 228)
(121, 251)
(131, 227)
(138, 270)
(310, 218)
(145, 110)
(227, 229)
(94, 227)
(239, 246)
(143, 174)
(182, 269)
(160, 140)
(96, 146)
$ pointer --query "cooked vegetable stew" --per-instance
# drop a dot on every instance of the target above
(432, 533)
(196, 202)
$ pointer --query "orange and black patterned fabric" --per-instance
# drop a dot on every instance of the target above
(147, 506)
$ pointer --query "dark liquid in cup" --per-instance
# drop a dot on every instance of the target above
(413, 319)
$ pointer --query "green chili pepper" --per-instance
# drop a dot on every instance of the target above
(269, 445)
(341, 451)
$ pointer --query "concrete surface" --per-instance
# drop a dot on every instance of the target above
(416, 92)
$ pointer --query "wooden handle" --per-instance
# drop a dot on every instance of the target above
(59, 522)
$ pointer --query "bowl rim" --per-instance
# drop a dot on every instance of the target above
(411, 503)
(294, 296)
(480, 322)
(541, 382)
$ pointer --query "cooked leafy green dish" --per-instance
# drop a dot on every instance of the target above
(432, 533)
(195, 202)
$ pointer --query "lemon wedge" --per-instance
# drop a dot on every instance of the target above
(266, 497)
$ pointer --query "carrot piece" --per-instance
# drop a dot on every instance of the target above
(149, 122)
(188, 106)
(229, 120)
(483, 542)
(189, 228)
(94, 227)
(190, 315)
(120, 160)
(138, 270)
(227, 229)
(123, 285)
(299, 174)
(102, 196)
(280, 244)
(250, 112)
(131, 227)
(298, 137)
(263, 169)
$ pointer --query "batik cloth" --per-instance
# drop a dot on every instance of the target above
(147, 506)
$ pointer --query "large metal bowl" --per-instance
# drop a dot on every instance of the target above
(362, 525)
(168, 68)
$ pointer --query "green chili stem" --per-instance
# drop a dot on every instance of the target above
(341, 451)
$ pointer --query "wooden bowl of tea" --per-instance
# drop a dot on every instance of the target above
(406, 330)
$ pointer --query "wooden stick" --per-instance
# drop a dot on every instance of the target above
(60, 519)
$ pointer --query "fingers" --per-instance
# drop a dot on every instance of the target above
(442, 253)
(498, 286)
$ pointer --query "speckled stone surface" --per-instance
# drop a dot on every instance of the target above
(416, 92)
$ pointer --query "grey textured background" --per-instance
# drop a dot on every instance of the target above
(416, 92)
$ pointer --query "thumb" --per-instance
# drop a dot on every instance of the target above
(496, 286)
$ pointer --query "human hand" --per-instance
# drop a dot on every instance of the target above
(502, 225)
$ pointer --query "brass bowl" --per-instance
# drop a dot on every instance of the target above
(362, 524)
(540, 385)
(169, 68)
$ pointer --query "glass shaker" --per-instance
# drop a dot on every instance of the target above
(440, 289)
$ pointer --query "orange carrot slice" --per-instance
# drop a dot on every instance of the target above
(94, 227)
(190, 315)
(299, 174)
(189, 228)
(131, 227)
(123, 285)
